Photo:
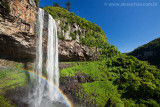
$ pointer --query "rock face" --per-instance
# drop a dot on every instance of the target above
(18, 36)
(70, 48)
(74, 51)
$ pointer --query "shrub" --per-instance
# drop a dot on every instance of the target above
(36, 2)
(73, 35)
(61, 37)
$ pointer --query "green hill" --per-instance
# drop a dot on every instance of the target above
(149, 52)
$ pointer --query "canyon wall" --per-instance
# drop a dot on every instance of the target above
(18, 36)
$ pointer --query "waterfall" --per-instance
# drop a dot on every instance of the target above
(43, 93)
(37, 94)
(52, 57)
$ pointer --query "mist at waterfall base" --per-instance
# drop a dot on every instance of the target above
(43, 90)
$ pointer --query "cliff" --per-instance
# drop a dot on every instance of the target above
(149, 52)
(18, 36)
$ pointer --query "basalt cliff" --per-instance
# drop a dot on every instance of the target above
(18, 36)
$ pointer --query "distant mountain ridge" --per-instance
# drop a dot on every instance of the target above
(149, 52)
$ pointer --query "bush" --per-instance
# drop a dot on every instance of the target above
(61, 37)
(73, 35)
(36, 2)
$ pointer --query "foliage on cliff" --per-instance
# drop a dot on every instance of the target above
(94, 35)
(37, 2)
(70, 17)
(118, 81)
(153, 47)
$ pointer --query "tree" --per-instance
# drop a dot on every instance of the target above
(56, 5)
(68, 5)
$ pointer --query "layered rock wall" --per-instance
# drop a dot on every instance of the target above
(17, 34)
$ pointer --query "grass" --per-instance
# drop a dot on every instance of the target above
(12, 77)
(99, 92)
(125, 80)
(5, 102)
(94, 69)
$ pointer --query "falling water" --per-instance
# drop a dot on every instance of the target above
(42, 93)
(37, 94)
(52, 58)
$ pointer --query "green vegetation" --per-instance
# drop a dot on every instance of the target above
(60, 36)
(64, 26)
(56, 5)
(68, 5)
(152, 47)
(94, 35)
(63, 14)
(37, 2)
(123, 79)
(11, 76)
(99, 92)
(5, 103)
(73, 35)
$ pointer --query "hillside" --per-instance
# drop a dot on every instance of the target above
(119, 81)
(149, 52)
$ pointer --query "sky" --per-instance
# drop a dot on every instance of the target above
(127, 24)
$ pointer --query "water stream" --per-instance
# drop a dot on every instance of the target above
(44, 91)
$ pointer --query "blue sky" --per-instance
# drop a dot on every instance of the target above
(126, 27)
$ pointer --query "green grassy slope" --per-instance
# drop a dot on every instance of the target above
(124, 80)
(12, 75)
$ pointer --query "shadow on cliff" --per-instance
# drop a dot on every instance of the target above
(13, 50)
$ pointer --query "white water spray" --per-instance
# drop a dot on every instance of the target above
(52, 58)
(43, 94)
(37, 94)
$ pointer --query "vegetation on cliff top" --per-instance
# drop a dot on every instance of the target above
(94, 35)
(70, 17)
(124, 80)
(153, 47)
(37, 2)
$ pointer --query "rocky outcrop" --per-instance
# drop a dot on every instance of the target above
(18, 36)
(73, 51)
(70, 48)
